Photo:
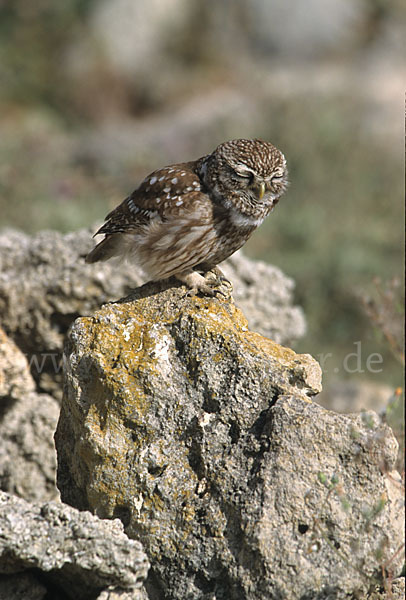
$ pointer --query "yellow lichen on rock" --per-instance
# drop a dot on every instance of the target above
(137, 363)
(202, 438)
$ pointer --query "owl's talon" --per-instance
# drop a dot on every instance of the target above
(225, 288)
(219, 282)
(210, 285)
(201, 289)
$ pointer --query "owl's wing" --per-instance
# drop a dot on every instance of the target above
(161, 195)
(127, 217)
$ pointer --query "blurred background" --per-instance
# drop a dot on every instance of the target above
(95, 94)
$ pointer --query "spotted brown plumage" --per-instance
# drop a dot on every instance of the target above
(189, 217)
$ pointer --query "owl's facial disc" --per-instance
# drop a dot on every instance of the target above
(258, 185)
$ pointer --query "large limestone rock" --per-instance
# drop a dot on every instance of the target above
(27, 423)
(54, 551)
(45, 285)
(202, 438)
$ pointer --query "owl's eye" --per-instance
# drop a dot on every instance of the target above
(247, 175)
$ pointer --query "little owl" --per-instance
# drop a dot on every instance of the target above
(186, 218)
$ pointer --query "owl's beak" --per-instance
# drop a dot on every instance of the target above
(261, 190)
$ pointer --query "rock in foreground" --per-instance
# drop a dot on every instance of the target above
(27, 423)
(202, 438)
(75, 553)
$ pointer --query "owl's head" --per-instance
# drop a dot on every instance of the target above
(252, 173)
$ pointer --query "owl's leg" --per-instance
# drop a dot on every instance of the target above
(211, 284)
(195, 282)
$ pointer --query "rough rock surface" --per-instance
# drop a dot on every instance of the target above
(27, 423)
(45, 284)
(74, 551)
(15, 378)
(202, 438)
(120, 594)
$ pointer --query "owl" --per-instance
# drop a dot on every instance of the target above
(185, 219)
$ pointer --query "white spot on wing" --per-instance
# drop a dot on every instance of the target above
(174, 180)
(133, 208)
(153, 180)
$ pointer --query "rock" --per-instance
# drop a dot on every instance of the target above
(201, 437)
(117, 594)
(398, 588)
(359, 396)
(45, 284)
(15, 378)
(27, 423)
(27, 452)
(73, 551)
(395, 590)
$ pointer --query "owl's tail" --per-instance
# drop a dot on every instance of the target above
(107, 248)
